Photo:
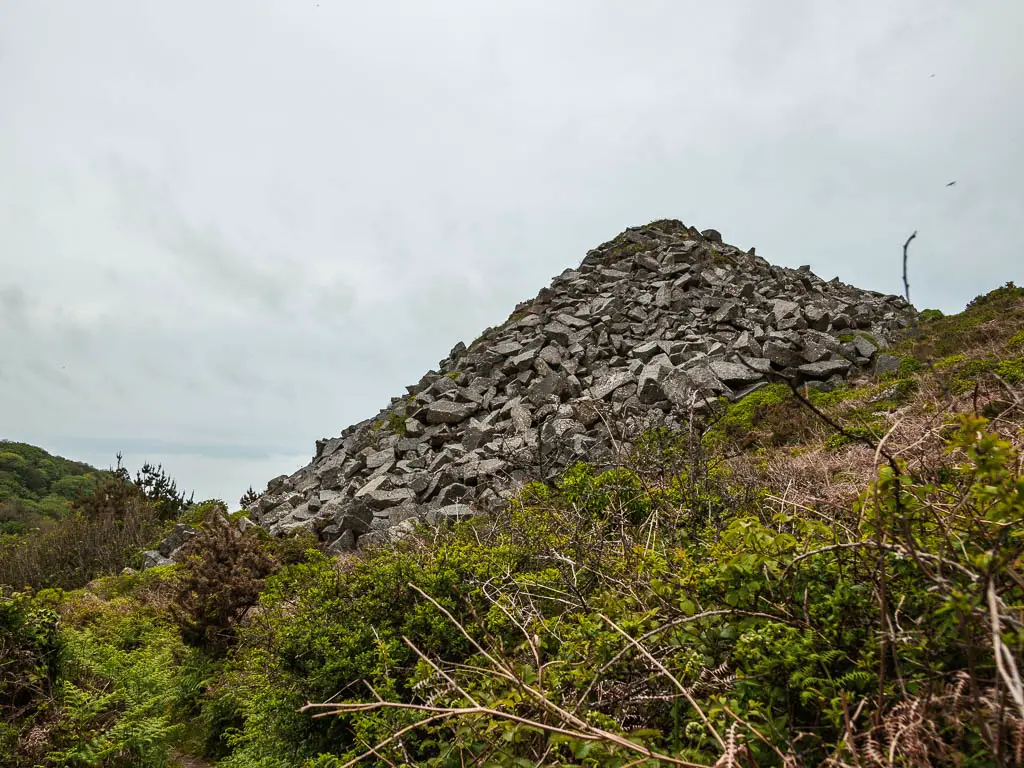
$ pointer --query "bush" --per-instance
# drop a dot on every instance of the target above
(107, 525)
(30, 650)
(102, 538)
(221, 577)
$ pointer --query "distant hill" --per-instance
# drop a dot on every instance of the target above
(36, 486)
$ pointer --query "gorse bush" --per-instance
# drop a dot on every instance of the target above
(221, 578)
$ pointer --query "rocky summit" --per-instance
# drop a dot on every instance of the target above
(651, 327)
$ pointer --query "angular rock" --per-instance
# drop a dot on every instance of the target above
(450, 513)
(817, 318)
(453, 493)
(824, 369)
(523, 361)
(506, 348)
(379, 499)
(886, 365)
(176, 539)
(635, 338)
(734, 374)
(151, 559)
(403, 512)
(448, 412)
(380, 458)
(346, 542)
(864, 347)
(644, 352)
(649, 388)
(609, 384)
(703, 379)
(379, 483)
(782, 355)
(553, 384)
(782, 309)
(558, 333)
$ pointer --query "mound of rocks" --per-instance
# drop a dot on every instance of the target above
(652, 326)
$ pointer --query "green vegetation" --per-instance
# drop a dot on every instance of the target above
(846, 337)
(102, 531)
(623, 249)
(987, 321)
(667, 226)
(755, 589)
(36, 488)
(983, 343)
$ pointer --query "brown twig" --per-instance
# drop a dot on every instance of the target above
(661, 668)
(906, 285)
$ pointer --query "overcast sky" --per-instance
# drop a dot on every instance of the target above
(230, 228)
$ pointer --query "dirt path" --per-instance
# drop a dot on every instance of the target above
(186, 761)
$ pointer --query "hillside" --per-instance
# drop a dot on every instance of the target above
(778, 566)
(36, 487)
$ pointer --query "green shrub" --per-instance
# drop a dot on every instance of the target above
(1011, 371)
(908, 367)
(771, 624)
(128, 691)
(221, 576)
(30, 649)
(992, 318)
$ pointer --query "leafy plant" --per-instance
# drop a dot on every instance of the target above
(221, 577)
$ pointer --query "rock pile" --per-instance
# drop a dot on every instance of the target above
(169, 550)
(652, 325)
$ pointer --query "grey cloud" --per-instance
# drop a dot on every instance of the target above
(13, 307)
(201, 250)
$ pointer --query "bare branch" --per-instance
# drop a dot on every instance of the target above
(906, 285)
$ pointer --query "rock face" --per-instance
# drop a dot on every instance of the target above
(170, 549)
(653, 324)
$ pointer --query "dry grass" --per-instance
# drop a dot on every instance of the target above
(825, 482)
(81, 548)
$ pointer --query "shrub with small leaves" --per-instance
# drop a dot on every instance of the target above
(222, 574)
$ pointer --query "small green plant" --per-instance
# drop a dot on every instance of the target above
(1011, 371)
(908, 367)
(397, 424)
